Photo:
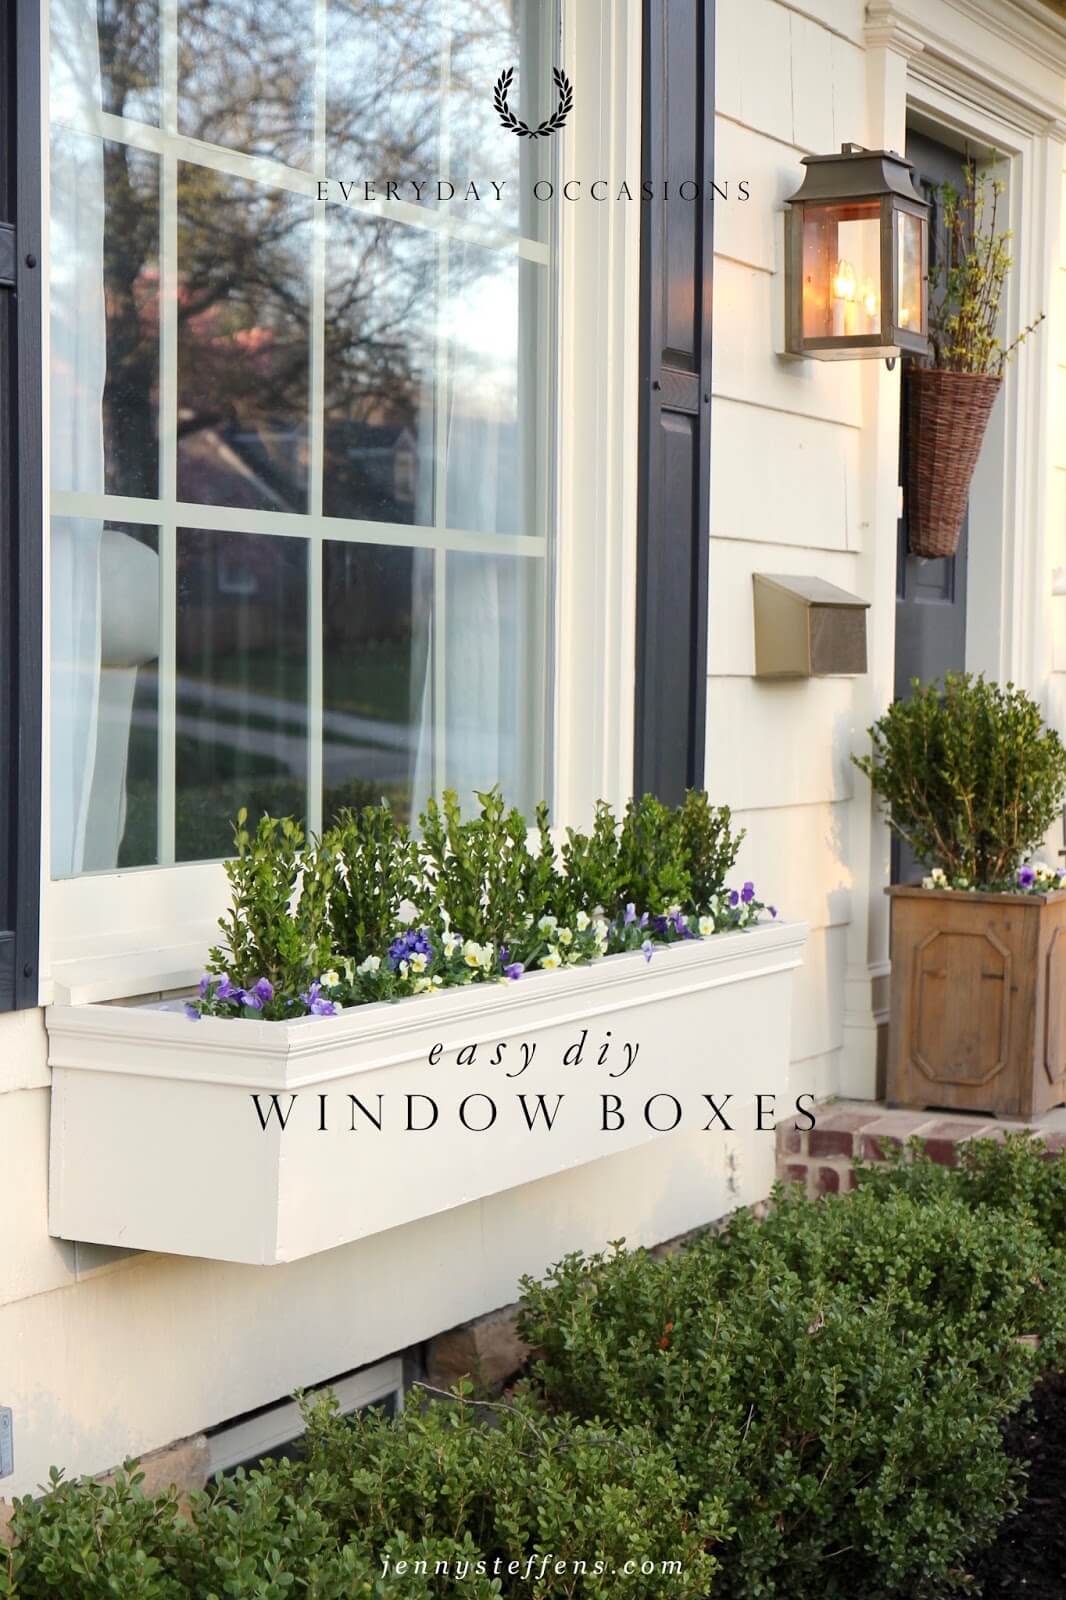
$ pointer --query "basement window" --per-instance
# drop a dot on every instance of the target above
(276, 1430)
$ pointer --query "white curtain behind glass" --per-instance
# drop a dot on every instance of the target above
(79, 368)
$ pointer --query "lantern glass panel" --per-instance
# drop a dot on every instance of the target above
(841, 269)
(910, 312)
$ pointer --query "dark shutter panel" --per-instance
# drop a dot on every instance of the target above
(20, 502)
(675, 447)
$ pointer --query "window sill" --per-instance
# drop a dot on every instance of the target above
(115, 969)
(139, 1093)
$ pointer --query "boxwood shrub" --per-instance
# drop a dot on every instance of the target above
(804, 1407)
(838, 1372)
(487, 1491)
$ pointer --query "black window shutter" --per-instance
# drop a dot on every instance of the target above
(20, 501)
(677, 251)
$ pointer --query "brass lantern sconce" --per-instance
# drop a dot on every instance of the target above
(857, 259)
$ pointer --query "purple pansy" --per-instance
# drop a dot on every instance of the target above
(192, 1011)
(647, 949)
(316, 1005)
(415, 942)
(772, 910)
(228, 990)
(205, 984)
(631, 914)
(1026, 877)
(734, 898)
(514, 971)
(747, 894)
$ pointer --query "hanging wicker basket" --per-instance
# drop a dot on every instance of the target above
(947, 414)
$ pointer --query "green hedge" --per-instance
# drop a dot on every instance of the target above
(805, 1408)
(460, 1483)
(839, 1372)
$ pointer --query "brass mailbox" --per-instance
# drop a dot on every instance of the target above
(807, 628)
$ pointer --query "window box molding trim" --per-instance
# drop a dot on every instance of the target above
(138, 1094)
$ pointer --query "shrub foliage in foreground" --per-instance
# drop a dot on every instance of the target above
(457, 1484)
(800, 1408)
(839, 1372)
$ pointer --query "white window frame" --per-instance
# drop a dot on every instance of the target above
(282, 1424)
(146, 930)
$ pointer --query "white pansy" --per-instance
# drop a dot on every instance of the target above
(371, 964)
(405, 967)
(706, 926)
(552, 959)
(582, 921)
(472, 953)
(418, 962)
(330, 979)
(929, 883)
(548, 924)
(565, 936)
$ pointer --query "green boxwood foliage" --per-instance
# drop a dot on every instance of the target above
(443, 1484)
(300, 906)
(1014, 1175)
(969, 776)
(839, 1372)
(803, 1408)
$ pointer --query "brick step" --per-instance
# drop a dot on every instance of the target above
(822, 1158)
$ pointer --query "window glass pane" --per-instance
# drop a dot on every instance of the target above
(104, 316)
(243, 342)
(384, 64)
(842, 270)
(241, 684)
(495, 327)
(494, 677)
(911, 252)
(104, 55)
(377, 737)
(485, 38)
(380, 354)
(104, 695)
(246, 76)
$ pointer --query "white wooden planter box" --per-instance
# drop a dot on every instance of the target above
(156, 1135)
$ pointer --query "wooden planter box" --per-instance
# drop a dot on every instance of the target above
(157, 1141)
(978, 1017)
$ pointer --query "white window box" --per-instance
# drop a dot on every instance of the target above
(156, 1138)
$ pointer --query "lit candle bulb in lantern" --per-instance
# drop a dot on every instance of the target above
(843, 299)
(870, 305)
(904, 316)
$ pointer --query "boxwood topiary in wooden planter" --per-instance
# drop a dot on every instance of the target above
(972, 779)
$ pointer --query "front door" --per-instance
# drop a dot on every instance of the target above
(930, 594)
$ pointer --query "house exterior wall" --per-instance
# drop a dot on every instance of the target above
(103, 1353)
(804, 458)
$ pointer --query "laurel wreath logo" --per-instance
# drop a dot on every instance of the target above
(565, 91)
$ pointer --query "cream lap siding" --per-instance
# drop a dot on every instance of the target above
(786, 495)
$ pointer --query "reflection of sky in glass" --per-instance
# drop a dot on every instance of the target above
(246, 76)
(383, 87)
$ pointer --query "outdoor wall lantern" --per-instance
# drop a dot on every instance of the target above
(857, 258)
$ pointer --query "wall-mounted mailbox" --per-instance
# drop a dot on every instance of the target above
(807, 628)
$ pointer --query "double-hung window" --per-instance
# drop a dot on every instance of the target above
(340, 397)
(300, 390)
